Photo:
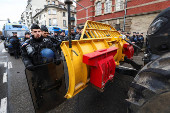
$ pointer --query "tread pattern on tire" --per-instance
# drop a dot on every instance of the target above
(149, 83)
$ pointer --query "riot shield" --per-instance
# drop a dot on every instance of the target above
(47, 86)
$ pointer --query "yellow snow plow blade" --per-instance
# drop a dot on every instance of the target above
(93, 30)
(98, 36)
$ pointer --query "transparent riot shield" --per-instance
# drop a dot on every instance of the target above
(47, 86)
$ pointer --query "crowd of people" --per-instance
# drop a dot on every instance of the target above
(136, 38)
(33, 43)
(40, 38)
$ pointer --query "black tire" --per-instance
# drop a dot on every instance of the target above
(150, 89)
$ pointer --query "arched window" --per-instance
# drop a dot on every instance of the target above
(108, 6)
(98, 8)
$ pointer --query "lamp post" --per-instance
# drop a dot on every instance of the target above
(69, 2)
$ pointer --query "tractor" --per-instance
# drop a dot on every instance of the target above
(150, 89)
(94, 59)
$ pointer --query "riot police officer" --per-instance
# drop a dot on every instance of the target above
(63, 36)
(27, 36)
(128, 35)
(44, 31)
(77, 37)
(141, 40)
(32, 51)
(15, 44)
(73, 34)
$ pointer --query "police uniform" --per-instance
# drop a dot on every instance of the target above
(25, 38)
(15, 44)
(31, 53)
(77, 37)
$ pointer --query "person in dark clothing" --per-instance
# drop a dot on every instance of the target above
(128, 36)
(44, 31)
(141, 40)
(78, 30)
(134, 39)
(62, 36)
(72, 34)
(78, 36)
(27, 36)
(15, 44)
(53, 39)
(31, 53)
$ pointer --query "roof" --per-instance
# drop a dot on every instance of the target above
(61, 3)
(50, 6)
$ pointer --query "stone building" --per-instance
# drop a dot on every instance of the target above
(47, 12)
(140, 13)
(54, 13)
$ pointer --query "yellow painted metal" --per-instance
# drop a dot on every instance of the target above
(95, 30)
(79, 73)
(99, 36)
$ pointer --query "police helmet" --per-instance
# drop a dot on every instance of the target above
(27, 33)
(47, 55)
(11, 41)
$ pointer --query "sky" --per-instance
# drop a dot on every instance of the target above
(11, 9)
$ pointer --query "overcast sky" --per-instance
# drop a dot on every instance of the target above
(12, 9)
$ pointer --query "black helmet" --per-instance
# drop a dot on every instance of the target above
(27, 33)
(158, 33)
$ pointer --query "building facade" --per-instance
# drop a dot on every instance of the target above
(55, 13)
(139, 13)
(47, 12)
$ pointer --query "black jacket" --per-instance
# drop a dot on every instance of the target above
(34, 56)
(15, 43)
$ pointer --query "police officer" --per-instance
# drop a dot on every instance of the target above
(44, 31)
(77, 37)
(15, 44)
(78, 30)
(128, 35)
(73, 34)
(134, 39)
(27, 36)
(141, 40)
(31, 53)
(62, 36)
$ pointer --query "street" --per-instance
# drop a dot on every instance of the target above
(15, 92)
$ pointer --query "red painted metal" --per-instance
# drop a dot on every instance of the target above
(102, 66)
(128, 50)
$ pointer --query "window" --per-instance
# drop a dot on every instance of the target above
(49, 12)
(64, 22)
(119, 5)
(72, 23)
(53, 2)
(49, 22)
(98, 8)
(54, 21)
(72, 15)
(48, 2)
(108, 6)
(54, 11)
(64, 14)
(62, 6)
(44, 22)
(71, 8)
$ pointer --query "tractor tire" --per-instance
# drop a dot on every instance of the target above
(150, 89)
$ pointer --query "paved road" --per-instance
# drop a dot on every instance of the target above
(112, 100)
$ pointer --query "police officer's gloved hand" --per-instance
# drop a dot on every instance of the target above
(57, 61)
(30, 67)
